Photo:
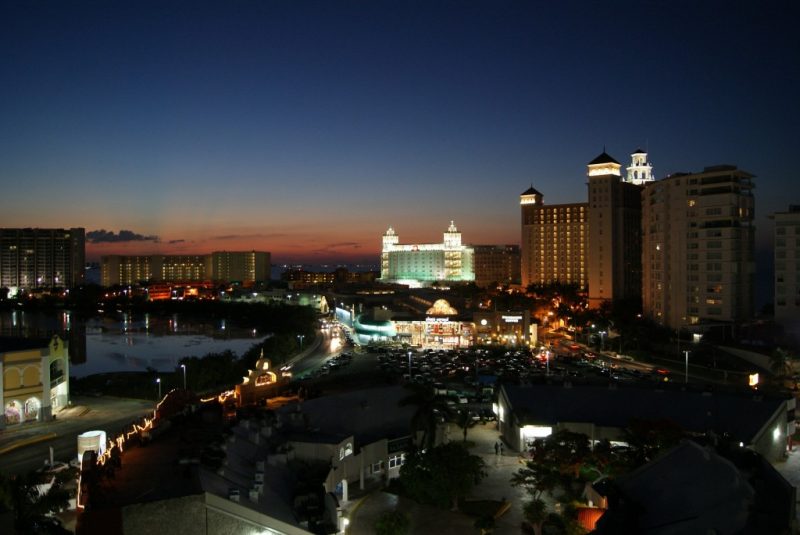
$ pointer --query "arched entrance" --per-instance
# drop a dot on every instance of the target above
(32, 408)
(13, 412)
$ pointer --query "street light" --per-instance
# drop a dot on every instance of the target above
(300, 337)
(547, 361)
(602, 341)
(686, 370)
(158, 382)
(184, 375)
(409, 364)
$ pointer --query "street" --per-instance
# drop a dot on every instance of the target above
(105, 413)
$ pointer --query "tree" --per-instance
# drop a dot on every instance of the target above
(442, 474)
(424, 398)
(556, 466)
(535, 513)
(781, 362)
(645, 439)
(392, 523)
(465, 421)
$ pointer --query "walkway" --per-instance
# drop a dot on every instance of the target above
(426, 519)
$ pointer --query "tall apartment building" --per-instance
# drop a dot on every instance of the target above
(496, 264)
(698, 241)
(427, 262)
(614, 257)
(240, 266)
(42, 258)
(554, 241)
(229, 266)
(787, 268)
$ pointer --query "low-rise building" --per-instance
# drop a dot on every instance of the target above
(34, 379)
(756, 421)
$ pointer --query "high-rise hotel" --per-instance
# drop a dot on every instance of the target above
(426, 262)
(614, 258)
(595, 245)
(33, 258)
(554, 241)
(698, 241)
(230, 266)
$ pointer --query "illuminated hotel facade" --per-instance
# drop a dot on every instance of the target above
(33, 258)
(554, 241)
(428, 262)
(614, 255)
(698, 245)
(230, 266)
(496, 264)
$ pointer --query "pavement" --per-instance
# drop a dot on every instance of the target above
(17, 436)
(364, 511)
(790, 470)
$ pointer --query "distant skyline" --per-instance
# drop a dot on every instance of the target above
(307, 128)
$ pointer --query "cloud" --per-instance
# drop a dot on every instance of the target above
(171, 242)
(335, 247)
(248, 236)
(108, 236)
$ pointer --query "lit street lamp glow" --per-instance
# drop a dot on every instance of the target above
(184, 375)
(686, 370)
(158, 382)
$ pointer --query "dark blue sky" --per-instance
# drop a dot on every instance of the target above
(306, 128)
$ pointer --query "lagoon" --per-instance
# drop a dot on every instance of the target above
(120, 341)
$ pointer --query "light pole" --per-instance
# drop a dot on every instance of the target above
(686, 369)
(158, 382)
(184, 375)
(547, 361)
(300, 337)
(409, 364)
(602, 341)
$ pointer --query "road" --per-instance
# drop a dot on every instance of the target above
(113, 415)
(109, 414)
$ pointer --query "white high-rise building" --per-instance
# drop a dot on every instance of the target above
(426, 262)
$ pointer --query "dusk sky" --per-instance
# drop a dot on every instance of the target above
(307, 128)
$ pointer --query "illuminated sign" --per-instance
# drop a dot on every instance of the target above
(265, 379)
(437, 320)
(512, 319)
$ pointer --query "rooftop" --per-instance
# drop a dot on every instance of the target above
(741, 416)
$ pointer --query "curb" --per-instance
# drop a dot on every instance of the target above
(27, 442)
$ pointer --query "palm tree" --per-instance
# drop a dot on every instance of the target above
(780, 362)
(535, 513)
(427, 402)
(464, 421)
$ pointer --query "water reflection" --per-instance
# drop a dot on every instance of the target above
(127, 342)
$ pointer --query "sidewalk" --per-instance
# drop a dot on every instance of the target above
(424, 519)
(20, 435)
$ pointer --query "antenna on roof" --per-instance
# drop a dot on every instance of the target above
(604, 147)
